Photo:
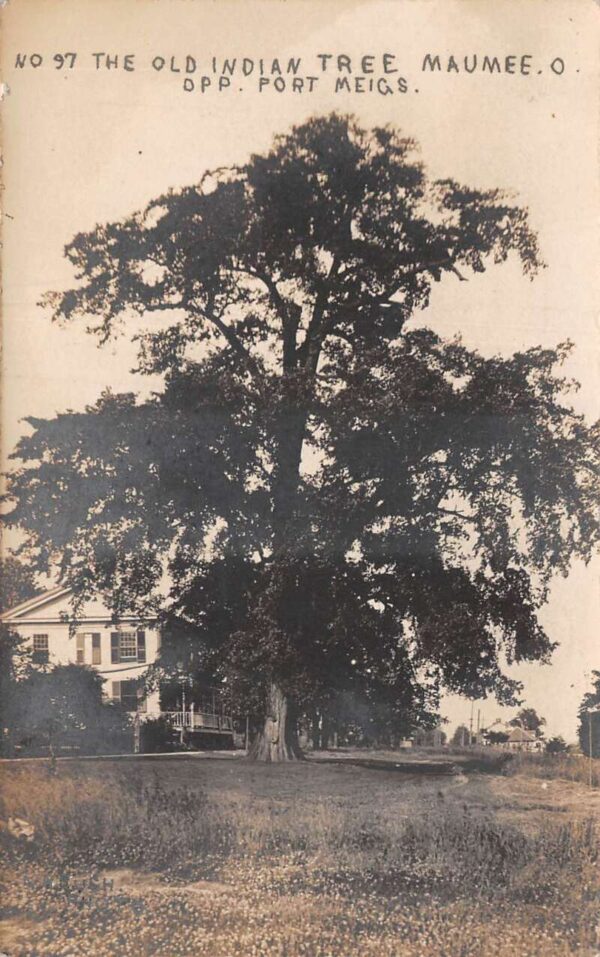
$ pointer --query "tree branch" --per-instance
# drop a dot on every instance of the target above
(456, 514)
(289, 313)
(230, 336)
(311, 347)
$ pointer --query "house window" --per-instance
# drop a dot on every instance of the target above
(96, 649)
(130, 694)
(127, 646)
(40, 649)
(82, 640)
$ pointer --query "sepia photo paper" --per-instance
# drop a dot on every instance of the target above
(300, 442)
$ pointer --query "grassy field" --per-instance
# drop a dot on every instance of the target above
(570, 767)
(193, 856)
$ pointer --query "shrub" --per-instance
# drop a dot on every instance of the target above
(63, 708)
(157, 736)
(556, 745)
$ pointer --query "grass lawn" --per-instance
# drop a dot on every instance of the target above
(206, 856)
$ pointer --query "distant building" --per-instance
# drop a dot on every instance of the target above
(120, 653)
(520, 739)
(511, 737)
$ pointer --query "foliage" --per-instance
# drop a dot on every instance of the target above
(589, 724)
(378, 716)
(157, 735)
(497, 737)
(344, 501)
(17, 582)
(529, 720)
(15, 658)
(62, 707)
(15, 663)
(461, 736)
(429, 737)
(556, 745)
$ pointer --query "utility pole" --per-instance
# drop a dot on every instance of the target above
(591, 711)
(471, 725)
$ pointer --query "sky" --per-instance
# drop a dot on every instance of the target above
(91, 144)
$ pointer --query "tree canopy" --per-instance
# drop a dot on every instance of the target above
(344, 501)
(588, 729)
(556, 745)
(529, 720)
(17, 582)
(461, 736)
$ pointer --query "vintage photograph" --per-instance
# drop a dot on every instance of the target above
(299, 596)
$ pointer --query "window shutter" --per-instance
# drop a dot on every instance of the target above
(116, 690)
(141, 702)
(96, 648)
(115, 652)
(80, 649)
(141, 646)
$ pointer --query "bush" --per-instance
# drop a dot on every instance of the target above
(157, 736)
(63, 709)
(556, 745)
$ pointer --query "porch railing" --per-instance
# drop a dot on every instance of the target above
(195, 720)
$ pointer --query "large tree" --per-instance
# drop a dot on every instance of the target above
(530, 720)
(588, 729)
(17, 582)
(344, 501)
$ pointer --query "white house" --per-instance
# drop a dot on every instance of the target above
(120, 653)
(517, 738)
(520, 739)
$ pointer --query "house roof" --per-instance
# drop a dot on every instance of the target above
(520, 736)
(32, 604)
(499, 727)
(53, 606)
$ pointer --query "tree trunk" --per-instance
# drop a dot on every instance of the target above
(278, 740)
(315, 731)
(290, 439)
(325, 732)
